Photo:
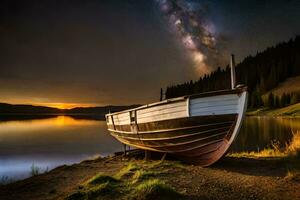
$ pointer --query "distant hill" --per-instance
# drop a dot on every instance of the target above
(9, 109)
(291, 111)
(99, 110)
(291, 85)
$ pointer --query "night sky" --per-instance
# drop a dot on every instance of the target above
(83, 53)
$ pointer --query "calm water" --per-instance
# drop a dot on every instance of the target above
(51, 142)
(259, 132)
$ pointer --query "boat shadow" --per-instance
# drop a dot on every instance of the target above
(275, 167)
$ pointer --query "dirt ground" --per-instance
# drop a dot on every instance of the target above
(230, 178)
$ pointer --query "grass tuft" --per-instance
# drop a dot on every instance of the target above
(101, 190)
(101, 178)
(34, 170)
(5, 180)
(293, 176)
(94, 190)
(127, 171)
(98, 185)
(173, 164)
(291, 150)
(135, 181)
(154, 189)
(165, 165)
(142, 174)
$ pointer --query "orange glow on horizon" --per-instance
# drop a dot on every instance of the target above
(19, 127)
(64, 105)
(68, 121)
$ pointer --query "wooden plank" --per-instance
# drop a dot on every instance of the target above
(215, 109)
(209, 105)
(155, 144)
(161, 112)
(185, 122)
(155, 138)
(161, 107)
(214, 105)
(121, 119)
(141, 146)
(161, 117)
(216, 99)
(216, 112)
(169, 130)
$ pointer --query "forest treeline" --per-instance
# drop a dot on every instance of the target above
(260, 73)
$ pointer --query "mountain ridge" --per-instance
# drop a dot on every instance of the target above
(6, 108)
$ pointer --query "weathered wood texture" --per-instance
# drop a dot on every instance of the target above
(198, 128)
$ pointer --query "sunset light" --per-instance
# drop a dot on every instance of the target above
(149, 99)
(64, 105)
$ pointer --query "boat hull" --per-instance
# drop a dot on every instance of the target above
(197, 129)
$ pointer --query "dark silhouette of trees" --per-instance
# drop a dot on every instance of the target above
(279, 101)
(270, 103)
(260, 73)
(161, 94)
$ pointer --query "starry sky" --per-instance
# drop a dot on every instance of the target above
(67, 53)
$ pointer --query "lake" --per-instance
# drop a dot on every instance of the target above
(48, 143)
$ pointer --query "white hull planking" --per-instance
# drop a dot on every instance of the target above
(185, 107)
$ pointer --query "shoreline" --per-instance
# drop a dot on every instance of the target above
(34, 116)
(229, 178)
(288, 111)
(292, 111)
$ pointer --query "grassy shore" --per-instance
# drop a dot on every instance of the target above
(290, 111)
(237, 176)
(272, 173)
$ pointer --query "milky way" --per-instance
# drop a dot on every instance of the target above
(190, 22)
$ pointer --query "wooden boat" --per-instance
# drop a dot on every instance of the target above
(196, 128)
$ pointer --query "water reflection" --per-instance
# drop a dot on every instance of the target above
(258, 132)
(51, 142)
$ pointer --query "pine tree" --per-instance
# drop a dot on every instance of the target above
(295, 98)
(283, 100)
(288, 99)
(270, 100)
(277, 102)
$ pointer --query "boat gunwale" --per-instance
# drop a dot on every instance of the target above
(183, 98)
